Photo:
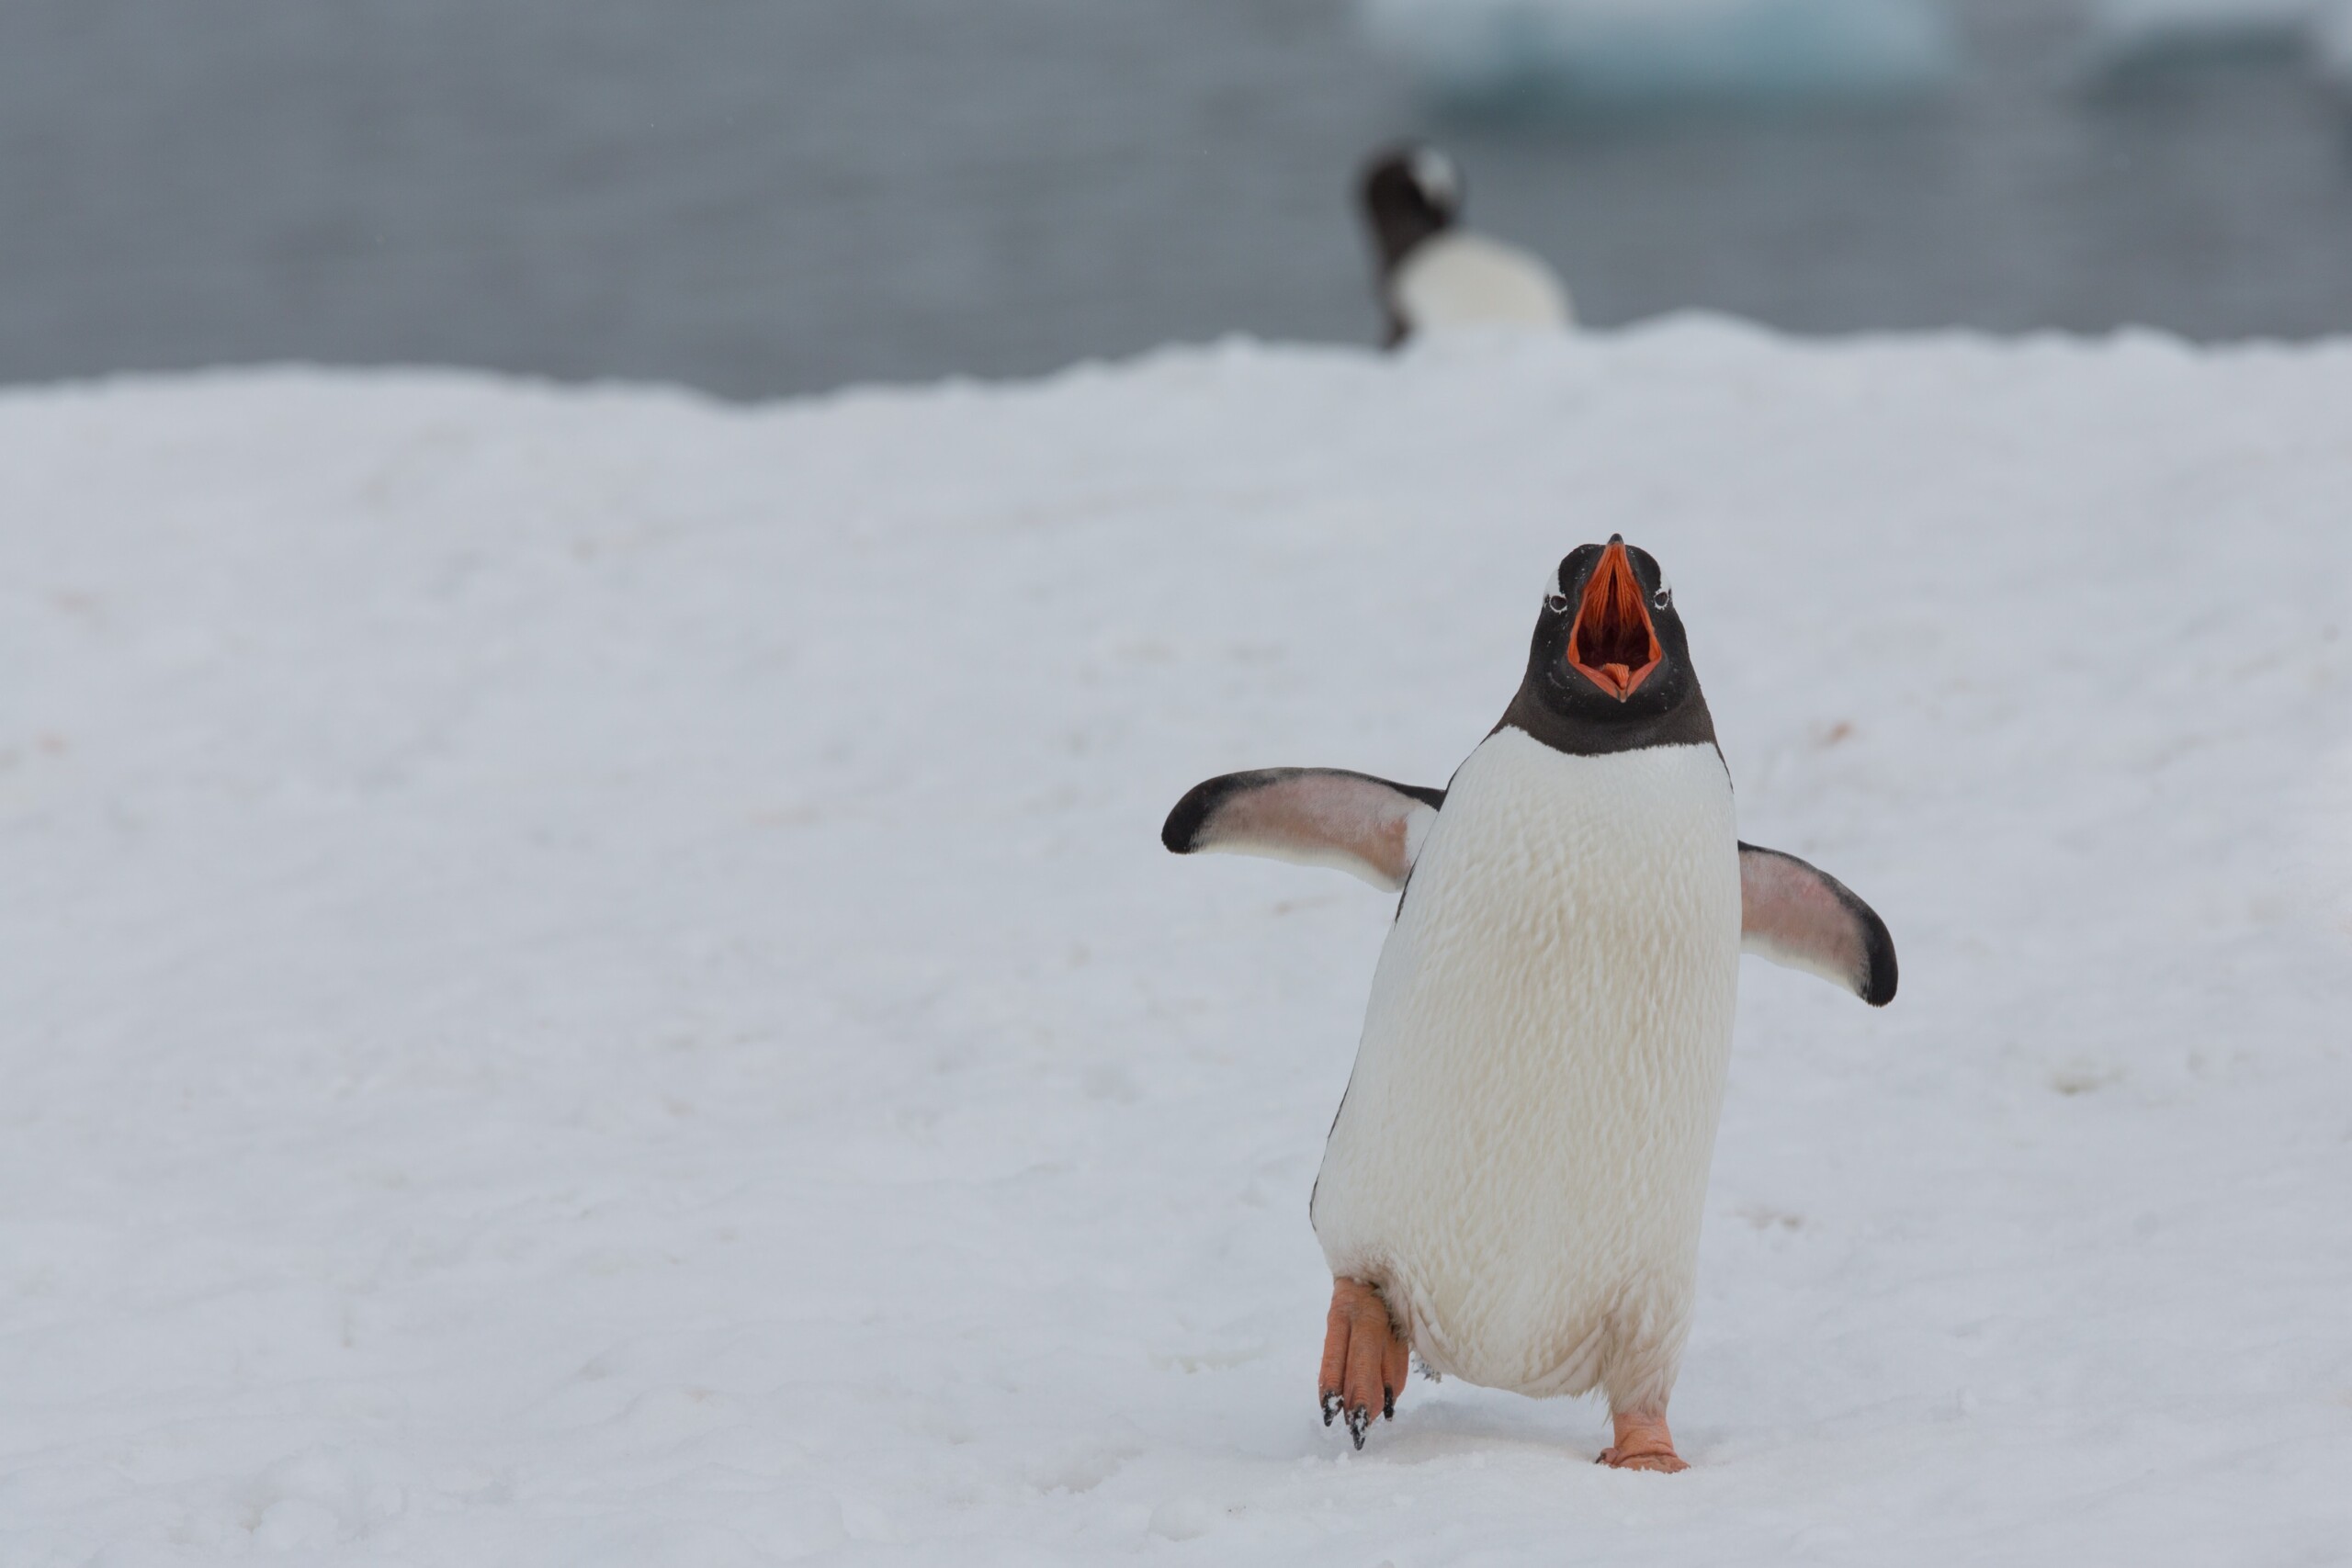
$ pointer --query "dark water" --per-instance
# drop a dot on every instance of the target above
(775, 197)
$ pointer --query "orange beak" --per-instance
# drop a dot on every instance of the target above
(1613, 645)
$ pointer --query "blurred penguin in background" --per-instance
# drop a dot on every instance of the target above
(1435, 276)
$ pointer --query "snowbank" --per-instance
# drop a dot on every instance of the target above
(590, 982)
(1621, 54)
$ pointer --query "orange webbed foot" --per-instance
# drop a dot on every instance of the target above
(1643, 1443)
(1364, 1358)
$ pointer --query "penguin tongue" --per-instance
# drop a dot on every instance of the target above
(1613, 645)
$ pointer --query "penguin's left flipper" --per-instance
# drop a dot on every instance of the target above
(1352, 822)
(1801, 917)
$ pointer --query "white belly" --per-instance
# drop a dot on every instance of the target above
(1521, 1161)
(1456, 280)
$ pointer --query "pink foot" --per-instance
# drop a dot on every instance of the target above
(1643, 1443)
(1363, 1358)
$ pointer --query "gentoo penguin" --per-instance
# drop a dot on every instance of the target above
(1512, 1187)
(1434, 276)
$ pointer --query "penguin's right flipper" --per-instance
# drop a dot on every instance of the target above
(1797, 915)
(1352, 822)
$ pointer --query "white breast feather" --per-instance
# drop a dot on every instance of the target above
(1521, 1161)
(1460, 279)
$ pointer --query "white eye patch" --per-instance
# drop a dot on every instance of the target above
(1434, 173)
(1553, 599)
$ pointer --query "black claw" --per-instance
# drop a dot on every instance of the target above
(1358, 1420)
(1330, 1407)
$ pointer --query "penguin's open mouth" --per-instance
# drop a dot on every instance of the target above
(1613, 644)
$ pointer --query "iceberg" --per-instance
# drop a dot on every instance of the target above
(1630, 53)
(2134, 35)
(2330, 41)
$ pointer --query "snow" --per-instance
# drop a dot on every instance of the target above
(592, 981)
(1618, 53)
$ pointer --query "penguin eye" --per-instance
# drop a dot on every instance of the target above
(1665, 594)
(1556, 602)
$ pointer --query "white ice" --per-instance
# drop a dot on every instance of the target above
(590, 978)
(1612, 53)
(2127, 35)
(2329, 40)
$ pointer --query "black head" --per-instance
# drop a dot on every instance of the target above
(1609, 666)
(1408, 194)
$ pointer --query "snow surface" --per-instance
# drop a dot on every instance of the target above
(1617, 53)
(592, 981)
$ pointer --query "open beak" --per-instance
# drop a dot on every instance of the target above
(1613, 644)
